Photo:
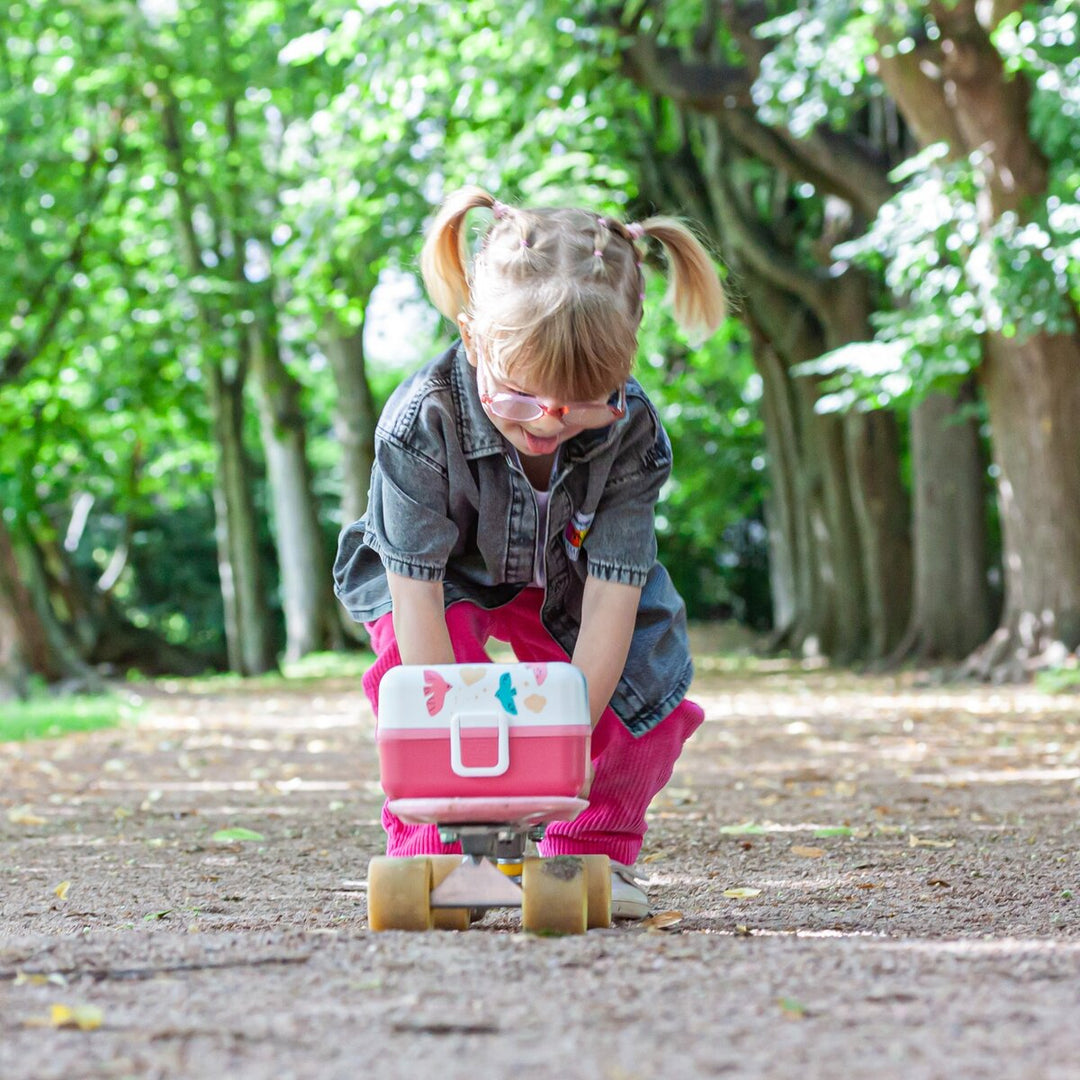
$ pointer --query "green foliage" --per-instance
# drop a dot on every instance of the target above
(177, 173)
(708, 527)
(816, 72)
(955, 275)
(959, 279)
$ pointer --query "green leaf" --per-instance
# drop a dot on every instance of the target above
(227, 835)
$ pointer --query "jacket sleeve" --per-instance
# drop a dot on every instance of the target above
(408, 519)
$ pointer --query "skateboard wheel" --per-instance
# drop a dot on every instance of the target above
(598, 877)
(555, 895)
(399, 893)
(447, 918)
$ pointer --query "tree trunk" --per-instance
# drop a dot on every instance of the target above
(354, 417)
(884, 515)
(808, 468)
(843, 557)
(1033, 395)
(797, 487)
(247, 622)
(952, 610)
(307, 597)
(23, 641)
(785, 515)
(32, 640)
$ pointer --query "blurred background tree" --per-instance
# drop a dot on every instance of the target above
(209, 228)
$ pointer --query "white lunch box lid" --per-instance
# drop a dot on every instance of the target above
(524, 695)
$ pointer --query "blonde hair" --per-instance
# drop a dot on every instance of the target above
(556, 293)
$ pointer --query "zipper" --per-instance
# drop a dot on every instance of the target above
(556, 478)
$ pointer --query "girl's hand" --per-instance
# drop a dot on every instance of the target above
(590, 775)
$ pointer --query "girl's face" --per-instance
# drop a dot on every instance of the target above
(532, 423)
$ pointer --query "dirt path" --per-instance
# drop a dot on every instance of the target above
(909, 856)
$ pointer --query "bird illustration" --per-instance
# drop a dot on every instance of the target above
(506, 694)
(435, 690)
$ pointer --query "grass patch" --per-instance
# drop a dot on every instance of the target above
(1058, 680)
(51, 717)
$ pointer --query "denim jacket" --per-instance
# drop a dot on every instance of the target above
(449, 502)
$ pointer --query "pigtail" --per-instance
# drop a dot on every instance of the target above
(695, 294)
(443, 256)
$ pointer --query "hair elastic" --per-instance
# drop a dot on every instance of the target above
(635, 230)
(499, 209)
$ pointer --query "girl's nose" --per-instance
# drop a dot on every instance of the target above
(546, 424)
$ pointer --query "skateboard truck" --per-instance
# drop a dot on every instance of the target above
(491, 857)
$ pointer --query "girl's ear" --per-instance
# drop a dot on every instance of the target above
(465, 326)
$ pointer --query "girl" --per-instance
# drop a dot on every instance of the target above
(513, 493)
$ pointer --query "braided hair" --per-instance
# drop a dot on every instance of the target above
(557, 292)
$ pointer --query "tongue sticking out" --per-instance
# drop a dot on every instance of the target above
(538, 445)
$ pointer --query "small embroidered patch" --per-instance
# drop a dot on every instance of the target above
(577, 528)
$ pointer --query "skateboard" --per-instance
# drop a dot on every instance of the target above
(480, 754)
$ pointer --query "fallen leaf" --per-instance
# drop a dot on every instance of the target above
(663, 920)
(739, 830)
(914, 841)
(83, 1017)
(237, 834)
(807, 852)
(793, 1010)
(832, 830)
(157, 915)
(61, 890)
(741, 894)
(24, 815)
(655, 856)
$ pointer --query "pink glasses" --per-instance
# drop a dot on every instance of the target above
(524, 408)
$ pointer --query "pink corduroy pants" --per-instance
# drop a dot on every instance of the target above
(628, 771)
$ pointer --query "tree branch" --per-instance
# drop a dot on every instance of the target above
(837, 163)
(956, 91)
(700, 85)
(755, 243)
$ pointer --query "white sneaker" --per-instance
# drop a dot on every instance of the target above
(628, 898)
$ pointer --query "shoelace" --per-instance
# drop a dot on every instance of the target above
(629, 874)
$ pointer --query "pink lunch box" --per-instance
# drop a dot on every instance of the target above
(483, 730)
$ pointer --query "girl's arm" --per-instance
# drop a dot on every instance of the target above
(420, 621)
(608, 612)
